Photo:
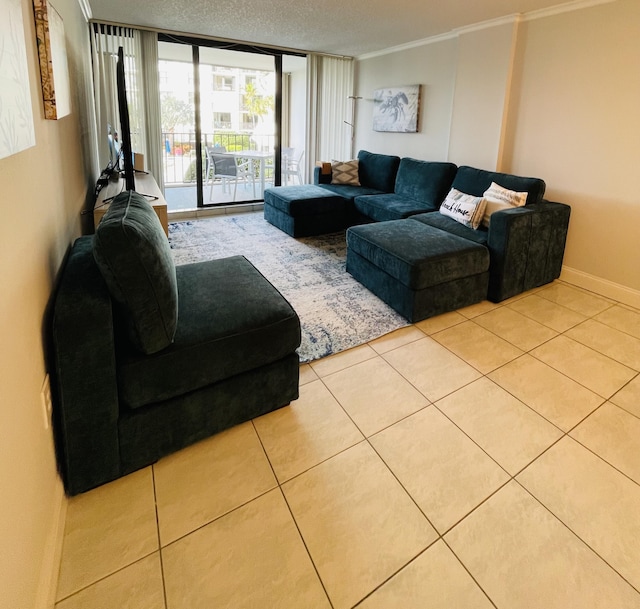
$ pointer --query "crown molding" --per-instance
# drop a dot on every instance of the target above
(86, 9)
(565, 7)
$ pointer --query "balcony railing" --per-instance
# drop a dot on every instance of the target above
(179, 153)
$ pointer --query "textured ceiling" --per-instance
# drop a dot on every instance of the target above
(343, 27)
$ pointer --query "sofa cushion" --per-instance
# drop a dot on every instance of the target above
(437, 220)
(388, 206)
(345, 172)
(133, 255)
(463, 208)
(417, 255)
(475, 181)
(231, 320)
(424, 181)
(378, 171)
(350, 192)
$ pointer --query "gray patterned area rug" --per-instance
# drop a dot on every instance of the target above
(336, 312)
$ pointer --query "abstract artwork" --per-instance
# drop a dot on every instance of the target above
(396, 109)
(16, 116)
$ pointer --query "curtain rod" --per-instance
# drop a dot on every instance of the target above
(215, 38)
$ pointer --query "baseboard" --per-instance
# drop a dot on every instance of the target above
(48, 584)
(604, 287)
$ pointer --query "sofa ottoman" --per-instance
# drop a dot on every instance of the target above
(305, 210)
(418, 270)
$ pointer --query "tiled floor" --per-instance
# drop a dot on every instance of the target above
(484, 458)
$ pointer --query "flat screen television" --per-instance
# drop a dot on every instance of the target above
(125, 128)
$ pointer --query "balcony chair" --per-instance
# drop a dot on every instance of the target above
(292, 166)
(229, 168)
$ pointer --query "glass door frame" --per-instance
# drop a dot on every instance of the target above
(277, 55)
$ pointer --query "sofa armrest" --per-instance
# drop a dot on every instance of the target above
(319, 177)
(526, 246)
(84, 374)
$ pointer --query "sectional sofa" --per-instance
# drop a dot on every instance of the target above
(407, 244)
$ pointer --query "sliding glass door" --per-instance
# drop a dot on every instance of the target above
(221, 122)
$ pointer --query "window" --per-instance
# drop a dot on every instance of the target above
(246, 122)
(223, 83)
(222, 120)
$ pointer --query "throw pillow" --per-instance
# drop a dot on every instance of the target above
(499, 198)
(133, 255)
(463, 208)
(345, 172)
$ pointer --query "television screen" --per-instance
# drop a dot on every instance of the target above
(125, 129)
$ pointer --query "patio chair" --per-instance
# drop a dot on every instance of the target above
(208, 171)
(229, 168)
(292, 166)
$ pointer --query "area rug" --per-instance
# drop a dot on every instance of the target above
(336, 312)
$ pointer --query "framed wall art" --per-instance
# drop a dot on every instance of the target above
(396, 109)
(17, 130)
(52, 54)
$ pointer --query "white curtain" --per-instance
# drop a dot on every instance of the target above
(151, 96)
(141, 72)
(329, 111)
(105, 41)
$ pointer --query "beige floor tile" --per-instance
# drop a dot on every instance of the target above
(440, 467)
(515, 328)
(621, 318)
(374, 394)
(478, 309)
(107, 529)
(614, 434)
(431, 368)
(575, 299)
(522, 295)
(307, 374)
(595, 501)
(440, 322)
(613, 343)
(552, 394)
(435, 579)
(359, 525)
(138, 586)
(523, 557)
(396, 339)
(595, 371)
(305, 433)
(252, 557)
(478, 347)
(342, 360)
(504, 427)
(547, 313)
(629, 397)
(204, 481)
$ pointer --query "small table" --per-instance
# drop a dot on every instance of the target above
(145, 185)
(253, 156)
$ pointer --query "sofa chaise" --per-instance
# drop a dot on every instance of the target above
(150, 357)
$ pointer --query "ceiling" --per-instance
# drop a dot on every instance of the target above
(342, 27)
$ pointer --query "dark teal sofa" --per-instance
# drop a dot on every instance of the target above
(525, 244)
(149, 357)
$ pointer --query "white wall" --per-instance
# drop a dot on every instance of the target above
(434, 67)
(576, 123)
(564, 97)
(43, 190)
(480, 96)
